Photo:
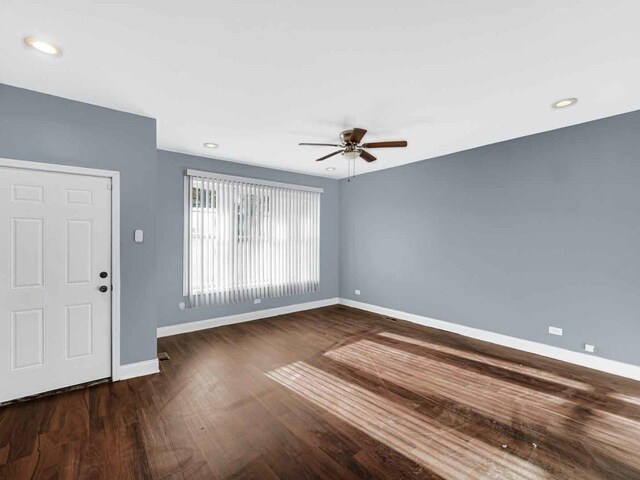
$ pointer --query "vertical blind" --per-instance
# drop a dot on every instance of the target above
(247, 239)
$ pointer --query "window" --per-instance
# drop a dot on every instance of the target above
(247, 239)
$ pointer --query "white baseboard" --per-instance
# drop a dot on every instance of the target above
(133, 370)
(242, 317)
(577, 358)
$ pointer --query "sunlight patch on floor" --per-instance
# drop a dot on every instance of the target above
(482, 393)
(448, 453)
(530, 371)
(614, 434)
(626, 398)
(529, 410)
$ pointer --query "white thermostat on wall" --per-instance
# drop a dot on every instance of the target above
(138, 236)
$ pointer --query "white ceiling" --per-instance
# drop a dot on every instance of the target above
(259, 76)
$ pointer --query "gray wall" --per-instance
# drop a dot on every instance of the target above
(44, 128)
(171, 168)
(511, 238)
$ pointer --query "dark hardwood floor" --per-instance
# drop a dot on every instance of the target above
(333, 393)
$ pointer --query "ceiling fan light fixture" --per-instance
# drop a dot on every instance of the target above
(351, 154)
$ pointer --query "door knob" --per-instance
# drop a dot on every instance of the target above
(103, 288)
(104, 274)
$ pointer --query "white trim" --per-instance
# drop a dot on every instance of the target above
(242, 317)
(577, 358)
(590, 361)
(115, 276)
(54, 167)
(115, 240)
(256, 181)
(133, 370)
(185, 237)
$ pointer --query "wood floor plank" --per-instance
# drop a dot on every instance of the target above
(335, 393)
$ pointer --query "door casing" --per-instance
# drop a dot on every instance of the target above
(115, 240)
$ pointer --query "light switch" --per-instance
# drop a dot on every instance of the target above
(138, 236)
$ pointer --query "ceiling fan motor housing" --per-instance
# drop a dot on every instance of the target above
(346, 136)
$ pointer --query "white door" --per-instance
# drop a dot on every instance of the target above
(55, 242)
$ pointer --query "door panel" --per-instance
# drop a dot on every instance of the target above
(79, 241)
(79, 197)
(79, 330)
(55, 239)
(27, 338)
(27, 193)
(27, 252)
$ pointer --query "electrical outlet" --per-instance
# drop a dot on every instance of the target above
(589, 348)
(555, 331)
(357, 292)
(257, 300)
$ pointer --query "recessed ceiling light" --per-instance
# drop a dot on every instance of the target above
(42, 46)
(330, 169)
(211, 145)
(565, 102)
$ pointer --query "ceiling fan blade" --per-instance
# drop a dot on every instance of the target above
(367, 156)
(322, 144)
(356, 135)
(330, 155)
(399, 143)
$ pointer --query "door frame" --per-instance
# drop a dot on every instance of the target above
(115, 239)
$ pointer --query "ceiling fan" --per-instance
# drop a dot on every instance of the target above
(351, 147)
